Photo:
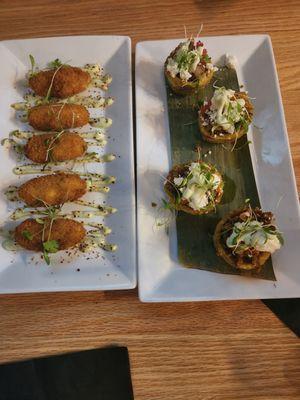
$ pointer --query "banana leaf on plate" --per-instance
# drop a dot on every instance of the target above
(195, 233)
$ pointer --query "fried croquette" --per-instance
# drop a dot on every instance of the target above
(57, 116)
(65, 82)
(55, 147)
(52, 190)
(67, 232)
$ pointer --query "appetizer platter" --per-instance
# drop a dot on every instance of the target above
(67, 177)
(217, 202)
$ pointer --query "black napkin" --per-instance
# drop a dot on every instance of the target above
(100, 374)
(288, 311)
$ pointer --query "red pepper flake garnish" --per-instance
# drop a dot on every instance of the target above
(205, 108)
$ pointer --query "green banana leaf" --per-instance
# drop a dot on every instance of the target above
(195, 233)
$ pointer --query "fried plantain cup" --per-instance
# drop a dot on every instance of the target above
(201, 77)
(221, 136)
(239, 261)
(183, 204)
(185, 88)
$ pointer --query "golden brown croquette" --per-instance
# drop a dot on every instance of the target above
(52, 189)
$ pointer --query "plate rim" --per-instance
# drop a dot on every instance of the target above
(129, 282)
(150, 296)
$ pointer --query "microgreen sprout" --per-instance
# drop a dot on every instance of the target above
(249, 232)
(32, 62)
(205, 181)
(164, 215)
(48, 95)
(50, 246)
(55, 63)
(51, 144)
(167, 205)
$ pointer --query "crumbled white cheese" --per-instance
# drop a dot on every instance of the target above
(172, 67)
(184, 74)
(231, 61)
(211, 67)
(197, 198)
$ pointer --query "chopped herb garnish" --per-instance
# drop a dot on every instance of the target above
(51, 246)
(55, 64)
(27, 234)
(166, 205)
(250, 233)
(46, 257)
(206, 58)
(280, 238)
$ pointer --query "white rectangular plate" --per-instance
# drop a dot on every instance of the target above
(25, 271)
(161, 277)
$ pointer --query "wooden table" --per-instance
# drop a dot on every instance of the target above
(214, 350)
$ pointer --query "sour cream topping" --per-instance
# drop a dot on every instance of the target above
(231, 61)
(198, 185)
(253, 235)
(226, 110)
